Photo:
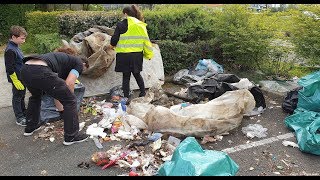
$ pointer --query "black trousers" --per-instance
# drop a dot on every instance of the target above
(126, 83)
(39, 79)
(18, 104)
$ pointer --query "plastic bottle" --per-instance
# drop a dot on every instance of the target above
(97, 142)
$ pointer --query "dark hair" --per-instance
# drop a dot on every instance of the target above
(133, 11)
(67, 50)
(17, 31)
(71, 51)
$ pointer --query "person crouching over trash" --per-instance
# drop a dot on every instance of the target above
(54, 73)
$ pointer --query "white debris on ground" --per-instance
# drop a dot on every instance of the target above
(117, 125)
(290, 143)
(255, 130)
(256, 111)
(146, 150)
(51, 131)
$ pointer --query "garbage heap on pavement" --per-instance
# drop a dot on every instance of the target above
(154, 125)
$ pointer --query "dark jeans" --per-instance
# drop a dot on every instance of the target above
(126, 83)
(18, 104)
(39, 79)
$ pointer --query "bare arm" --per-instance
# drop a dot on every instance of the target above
(70, 81)
(58, 104)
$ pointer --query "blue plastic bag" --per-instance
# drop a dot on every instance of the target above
(48, 111)
(209, 65)
(189, 159)
(309, 96)
(306, 124)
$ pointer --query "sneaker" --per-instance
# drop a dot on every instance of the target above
(22, 122)
(30, 131)
(76, 139)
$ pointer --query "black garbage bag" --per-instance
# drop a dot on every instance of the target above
(228, 78)
(116, 91)
(210, 88)
(48, 111)
(258, 97)
(290, 101)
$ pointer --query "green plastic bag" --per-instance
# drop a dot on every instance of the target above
(309, 96)
(306, 125)
(189, 159)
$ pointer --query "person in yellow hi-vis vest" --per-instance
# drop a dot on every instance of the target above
(131, 43)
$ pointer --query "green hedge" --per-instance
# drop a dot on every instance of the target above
(12, 14)
(234, 37)
(72, 23)
(182, 23)
(42, 28)
(166, 22)
(43, 22)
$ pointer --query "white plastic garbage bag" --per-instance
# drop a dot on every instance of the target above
(217, 116)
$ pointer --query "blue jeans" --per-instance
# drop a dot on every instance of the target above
(39, 79)
(18, 104)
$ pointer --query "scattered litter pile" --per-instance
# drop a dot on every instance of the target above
(153, 126)
(153, 135)
(152, 132)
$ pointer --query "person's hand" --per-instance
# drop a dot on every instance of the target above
(16, 82)
(110, 47)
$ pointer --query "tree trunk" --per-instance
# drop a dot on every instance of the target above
(150, 6)
(76, 7)
(45, 7)
(50, 7)
(41, 7)
(85, 7)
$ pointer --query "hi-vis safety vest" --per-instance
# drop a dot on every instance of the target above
(136, 39)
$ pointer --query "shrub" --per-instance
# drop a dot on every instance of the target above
(96, 7)
(47, 42)
(306, 33)
(43, 22)
(279, 62)
(301, 71)
(243, 37)
(43, 31)
(12, 14)
(175, 56)
(183, 23)
(178, 55)
(42, 43)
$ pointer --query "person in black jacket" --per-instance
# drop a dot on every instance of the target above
(130, 61)
(13, 62)
(54, 73)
